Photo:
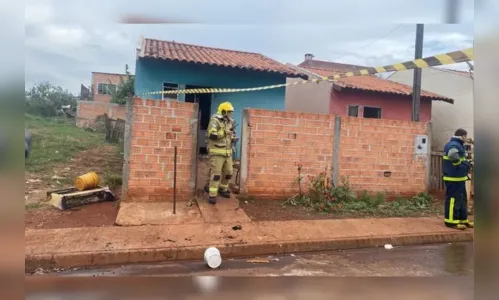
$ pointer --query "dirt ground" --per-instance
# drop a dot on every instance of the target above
(38, 214)
(268, 210)
(93, 215)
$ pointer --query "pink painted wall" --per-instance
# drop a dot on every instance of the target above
(393, 107)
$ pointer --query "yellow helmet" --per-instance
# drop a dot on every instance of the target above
(224, 108)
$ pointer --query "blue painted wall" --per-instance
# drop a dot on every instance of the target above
(150, 75)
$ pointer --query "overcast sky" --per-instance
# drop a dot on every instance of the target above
(67, 40)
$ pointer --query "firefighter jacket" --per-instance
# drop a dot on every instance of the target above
(455, 166)
(220, 135)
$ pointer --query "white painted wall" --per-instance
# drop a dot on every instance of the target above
(446, 118)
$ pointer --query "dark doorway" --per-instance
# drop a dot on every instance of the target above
(204, 101)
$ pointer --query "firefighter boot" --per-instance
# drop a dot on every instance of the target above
(212, 200)
(225, 194)
(468, 224)
(457, 226)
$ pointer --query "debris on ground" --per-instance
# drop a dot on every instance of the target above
(237, 227)
(258, 261)
(71, 197)
(388, 246)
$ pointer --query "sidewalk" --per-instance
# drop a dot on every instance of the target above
(85, 247)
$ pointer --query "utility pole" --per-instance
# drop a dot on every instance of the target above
(452, 11)
(416, 87)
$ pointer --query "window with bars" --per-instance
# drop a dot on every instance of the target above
(105, 88)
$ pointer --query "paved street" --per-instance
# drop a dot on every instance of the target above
(452, 263)
(430, 260)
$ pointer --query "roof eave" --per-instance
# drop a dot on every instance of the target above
(447, 100)
(346, 87)
(286, 74)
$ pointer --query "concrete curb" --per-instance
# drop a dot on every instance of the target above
(150, 255)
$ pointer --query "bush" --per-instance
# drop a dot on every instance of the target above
(125, 89)
(46, 100)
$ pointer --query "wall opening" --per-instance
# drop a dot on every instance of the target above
(204, 102)
(372, 112)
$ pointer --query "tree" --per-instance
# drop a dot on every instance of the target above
(125, 89)
(45, 99)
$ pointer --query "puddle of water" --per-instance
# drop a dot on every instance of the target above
(457, 258)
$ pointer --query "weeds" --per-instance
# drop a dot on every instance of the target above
(113, 180)
(321, 196)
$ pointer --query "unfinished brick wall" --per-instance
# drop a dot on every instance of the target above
(106, 78)
(371, 147)
(376, 155)
(156, 128)
(278, 142)
(88, 111)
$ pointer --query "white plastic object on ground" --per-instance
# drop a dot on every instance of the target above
(388, 246)
(212, 257)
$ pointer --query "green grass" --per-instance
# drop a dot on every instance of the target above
(56, 140)
(112, 179)
(32, 206)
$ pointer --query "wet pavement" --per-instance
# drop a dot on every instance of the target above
(429, 260)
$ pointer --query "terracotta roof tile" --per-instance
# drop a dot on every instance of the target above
(375, 84)
(330, 67)
(169, 50)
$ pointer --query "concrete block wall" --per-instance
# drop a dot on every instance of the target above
(154, 128)
(88, 111)
(376, 155)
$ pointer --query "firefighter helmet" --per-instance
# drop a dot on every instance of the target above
(224, 108)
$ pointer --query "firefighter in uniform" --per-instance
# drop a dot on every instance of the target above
(455, 169)
(220, 135)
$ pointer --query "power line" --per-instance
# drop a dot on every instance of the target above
(372, 42)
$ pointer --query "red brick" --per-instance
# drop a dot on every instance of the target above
(368, 147)
(159, 128)
(170, 136)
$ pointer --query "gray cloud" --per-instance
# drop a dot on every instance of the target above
(66, 40)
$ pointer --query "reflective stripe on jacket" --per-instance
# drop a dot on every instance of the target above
(455, 171)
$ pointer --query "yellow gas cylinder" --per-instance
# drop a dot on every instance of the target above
(87, 181)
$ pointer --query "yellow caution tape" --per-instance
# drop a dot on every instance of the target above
(431, 61)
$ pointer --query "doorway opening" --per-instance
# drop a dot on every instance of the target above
(204, 102)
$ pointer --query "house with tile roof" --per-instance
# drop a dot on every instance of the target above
(169, 65)
(363, 96)
(445, 118)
